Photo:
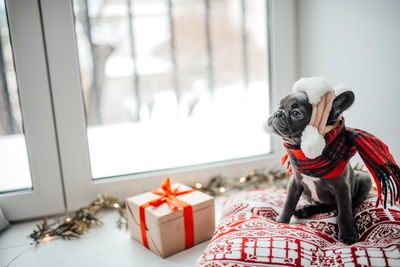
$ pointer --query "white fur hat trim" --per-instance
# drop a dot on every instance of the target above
(314, 87)
(312, 143)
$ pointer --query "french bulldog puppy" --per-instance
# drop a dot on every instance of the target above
(341, 193)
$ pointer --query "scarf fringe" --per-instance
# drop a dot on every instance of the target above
(381, 165)
(387, 181)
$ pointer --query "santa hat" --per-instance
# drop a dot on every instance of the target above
(320, 95)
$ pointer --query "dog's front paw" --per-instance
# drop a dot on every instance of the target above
(281, 219)
(304, 211)
(348, 237)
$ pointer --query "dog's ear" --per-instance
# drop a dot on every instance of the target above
(341, 103)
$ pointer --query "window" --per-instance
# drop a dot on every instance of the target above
(116, 95)
(170, 83)
(14, 165)
(30, 179)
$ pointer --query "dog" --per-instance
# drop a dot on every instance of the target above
(342, 193)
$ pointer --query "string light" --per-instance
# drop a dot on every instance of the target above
(74, 226)
(47, 237)
(254, 179)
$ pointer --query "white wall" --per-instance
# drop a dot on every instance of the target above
(356, 42)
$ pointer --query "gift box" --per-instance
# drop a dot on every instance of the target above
(170, 219)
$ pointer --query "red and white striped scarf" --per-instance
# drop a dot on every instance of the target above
(341, 144)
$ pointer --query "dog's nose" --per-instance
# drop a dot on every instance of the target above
(278, 114)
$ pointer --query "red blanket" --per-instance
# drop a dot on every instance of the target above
(246, 236)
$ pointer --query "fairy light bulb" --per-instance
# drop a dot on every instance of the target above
(116, 205)
(242, 179)
(47, 237)
(222, 189)
(198, 185)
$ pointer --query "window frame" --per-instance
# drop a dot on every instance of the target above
(69, 109)
(46, 196)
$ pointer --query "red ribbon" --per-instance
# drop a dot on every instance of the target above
(169, 195)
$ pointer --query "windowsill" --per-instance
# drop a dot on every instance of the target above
(105, 245)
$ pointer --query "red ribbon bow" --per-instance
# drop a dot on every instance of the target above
(169, 195)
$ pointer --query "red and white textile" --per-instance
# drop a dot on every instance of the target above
(246, 236)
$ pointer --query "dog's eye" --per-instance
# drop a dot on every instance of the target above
(296, 114)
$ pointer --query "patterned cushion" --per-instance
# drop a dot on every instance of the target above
(247, 237)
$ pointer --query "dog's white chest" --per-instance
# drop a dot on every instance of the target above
(310, 182)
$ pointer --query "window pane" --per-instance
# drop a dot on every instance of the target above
(14, 165)
(171, 83)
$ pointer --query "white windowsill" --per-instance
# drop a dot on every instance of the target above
(105, 245)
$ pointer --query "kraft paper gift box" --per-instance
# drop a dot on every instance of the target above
(166, 231)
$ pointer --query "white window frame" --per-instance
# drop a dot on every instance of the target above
(46, 196)
(68, 102)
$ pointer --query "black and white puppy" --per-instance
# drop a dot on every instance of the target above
(341, 193)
